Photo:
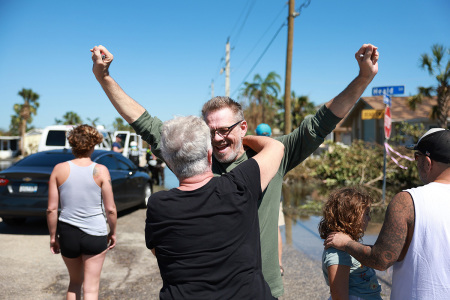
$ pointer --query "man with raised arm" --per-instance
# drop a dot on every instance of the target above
(205, 233)
(226, 117)
(415, 237)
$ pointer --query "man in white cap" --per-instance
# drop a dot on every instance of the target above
(415, 237)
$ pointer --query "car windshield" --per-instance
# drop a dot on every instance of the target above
(48, 159)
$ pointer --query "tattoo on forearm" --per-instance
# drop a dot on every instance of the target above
(388, 256)
(393, 236)
(399, 221)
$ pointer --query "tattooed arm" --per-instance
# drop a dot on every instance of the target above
(393, 240)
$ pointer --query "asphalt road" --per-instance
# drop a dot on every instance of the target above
(29, 270)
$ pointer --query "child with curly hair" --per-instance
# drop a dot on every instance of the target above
(347, 210)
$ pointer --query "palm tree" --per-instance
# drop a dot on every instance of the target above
(300, 108)
(25, 112)
(70, 118)
(93, 121)
(263, 92)
(119, 124)
(435, 66)
(14, 126)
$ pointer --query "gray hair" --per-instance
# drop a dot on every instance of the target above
(221, 102)
(185, 142)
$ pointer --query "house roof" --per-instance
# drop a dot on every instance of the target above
(400, 111)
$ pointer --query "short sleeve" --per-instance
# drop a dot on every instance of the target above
(149, 128)
(334, 256)
(248, 174)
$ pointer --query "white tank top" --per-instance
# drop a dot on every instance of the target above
(81, 201)
(424, 273)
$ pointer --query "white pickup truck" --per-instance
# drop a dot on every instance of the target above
(54, 137)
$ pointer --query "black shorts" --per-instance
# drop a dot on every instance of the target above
(75, 242)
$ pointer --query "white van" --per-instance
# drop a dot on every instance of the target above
(54, 137)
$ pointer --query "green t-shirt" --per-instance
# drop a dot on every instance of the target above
(362, 281)
(298, 146)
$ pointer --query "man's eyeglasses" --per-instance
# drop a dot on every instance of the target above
(224, 131)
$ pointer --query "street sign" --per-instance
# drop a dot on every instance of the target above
(388, 90)
(387, 100)
(369, 114)
(387, 123)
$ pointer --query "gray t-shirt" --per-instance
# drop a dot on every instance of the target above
(362, 281)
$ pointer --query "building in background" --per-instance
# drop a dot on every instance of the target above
(353, 127)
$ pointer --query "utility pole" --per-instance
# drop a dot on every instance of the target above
(227, 68)
(287, 83)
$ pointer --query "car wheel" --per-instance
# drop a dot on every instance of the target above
(147, 194)
(13, 221)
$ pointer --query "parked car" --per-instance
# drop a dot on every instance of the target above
(24, 185)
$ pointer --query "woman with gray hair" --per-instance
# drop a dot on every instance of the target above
(205, 233)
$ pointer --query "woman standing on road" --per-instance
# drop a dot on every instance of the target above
(80, 233)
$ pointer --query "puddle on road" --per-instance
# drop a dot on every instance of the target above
(302, 233)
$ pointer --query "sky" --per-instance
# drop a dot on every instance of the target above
(168, 53)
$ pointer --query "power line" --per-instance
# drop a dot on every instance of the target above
(257, 43)
(219, 67)
(248, 7)
(297, 13)
(303, 5)
(243, 23)
(238, 20)
(299, 10)
(260, 57)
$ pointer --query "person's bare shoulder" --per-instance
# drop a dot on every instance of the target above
(402, 207)
(61, 167)
(396, 233)
(100, 171)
